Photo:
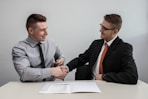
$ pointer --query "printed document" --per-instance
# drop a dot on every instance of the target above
(70, 87)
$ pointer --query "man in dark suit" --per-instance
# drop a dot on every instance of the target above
(117, 64)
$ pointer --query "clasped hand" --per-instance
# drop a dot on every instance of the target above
(59, 71)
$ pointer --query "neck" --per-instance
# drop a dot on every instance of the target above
(33, 38)
(113, 36)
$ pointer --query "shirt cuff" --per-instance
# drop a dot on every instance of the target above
(103, 76)
(67, 68)
(46, 73)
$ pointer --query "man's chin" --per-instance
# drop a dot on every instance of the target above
(102, 37)
(43, 39)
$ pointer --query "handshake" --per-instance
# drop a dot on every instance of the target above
(59, 72)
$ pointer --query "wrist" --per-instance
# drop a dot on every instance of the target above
(67, 68)
(51, 71)
(103, 76)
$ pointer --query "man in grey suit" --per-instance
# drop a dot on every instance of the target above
(36, 58)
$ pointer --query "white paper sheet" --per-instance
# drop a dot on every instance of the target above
(70, 87)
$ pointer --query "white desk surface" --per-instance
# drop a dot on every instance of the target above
(19, 90)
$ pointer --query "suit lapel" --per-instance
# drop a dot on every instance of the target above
(112, 47)
(97, 50)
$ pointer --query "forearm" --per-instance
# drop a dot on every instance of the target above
(122, 77)
(75, 63)
(34, 74)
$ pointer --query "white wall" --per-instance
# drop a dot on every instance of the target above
(74, 24)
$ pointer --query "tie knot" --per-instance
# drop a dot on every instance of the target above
(106, 45)
(39, 44)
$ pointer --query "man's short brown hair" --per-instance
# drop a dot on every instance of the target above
(33, 19)
(115, 20)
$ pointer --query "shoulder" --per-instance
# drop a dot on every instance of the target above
(20, 46)
(125, 46)
(120, 43)
(97, 41)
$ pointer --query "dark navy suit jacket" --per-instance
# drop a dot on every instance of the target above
(118, 64)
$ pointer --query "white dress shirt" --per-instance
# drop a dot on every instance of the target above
(96, 67)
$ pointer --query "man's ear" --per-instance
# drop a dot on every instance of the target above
(116, 31)
(30, 30)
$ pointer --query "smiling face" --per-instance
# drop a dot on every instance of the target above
(38, 31)
(107, 31)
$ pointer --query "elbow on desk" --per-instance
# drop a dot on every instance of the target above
(130, 79)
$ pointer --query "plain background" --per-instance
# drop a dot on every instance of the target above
(73, 24)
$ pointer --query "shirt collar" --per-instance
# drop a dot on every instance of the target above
(111, 41)
(32, 42)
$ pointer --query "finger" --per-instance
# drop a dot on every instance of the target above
(59, 63)
(64, 70)
(61, 77)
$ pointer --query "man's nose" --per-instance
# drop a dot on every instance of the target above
(46, 33)
(101, 30)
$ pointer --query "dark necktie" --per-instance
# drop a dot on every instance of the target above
(41, 55)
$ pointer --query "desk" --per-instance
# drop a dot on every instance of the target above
(18, 90)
